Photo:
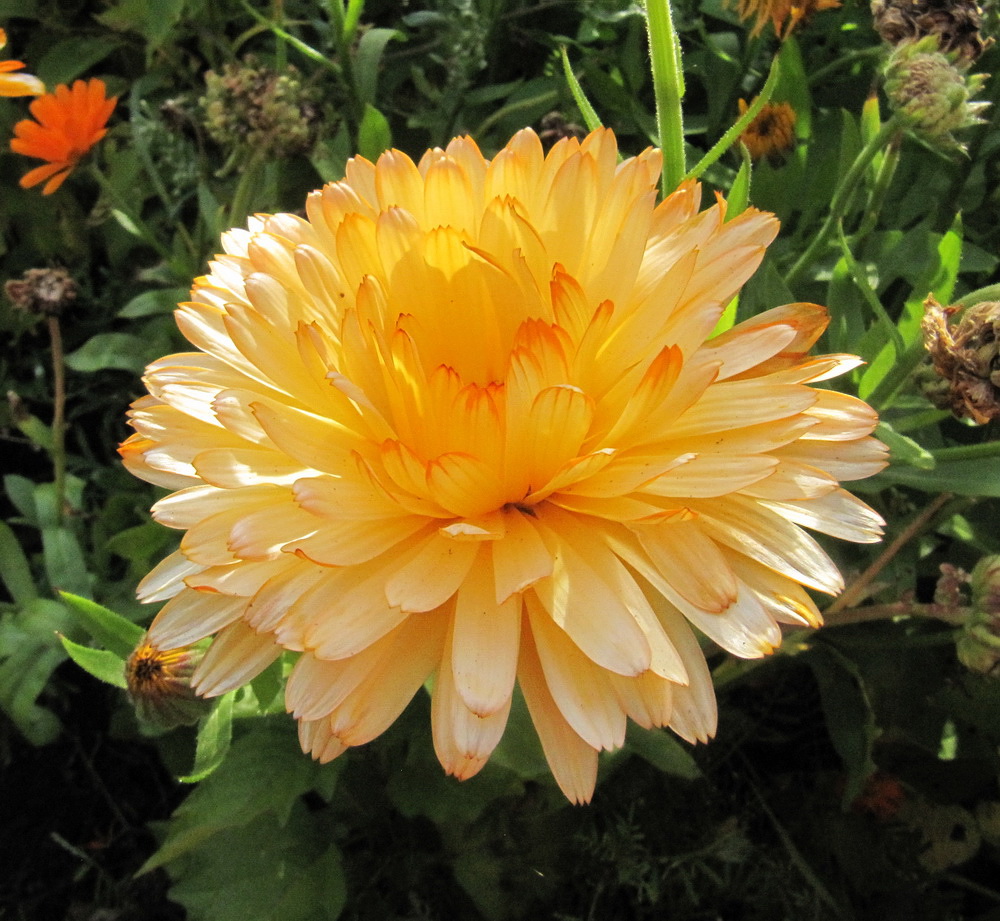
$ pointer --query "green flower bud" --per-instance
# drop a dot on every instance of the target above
(930, 93)
(978, 645)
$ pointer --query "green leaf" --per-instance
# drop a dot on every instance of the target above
(848, 712)
(66, 60)
(15, 570)
(663, 751)
(590, 117)
(368, 60)
(163, 300)
(111, 630)
(65, 563)
(264, 773)
(153, 21)
(116, 351)
(965, 477)
(904, 450)
(215, 735)
(264, 871)
(103, 664)
(374, 135)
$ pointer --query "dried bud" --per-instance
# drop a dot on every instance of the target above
(931, 95)
(554, 127)
(159, 683)
(979, 642)
(46, 292)
(772, 132)
(955, 23)
(966, 359)
(251, 107)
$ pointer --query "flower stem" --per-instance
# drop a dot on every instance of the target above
(842, 199)
(58, 415)
(668, 88)
(249, 178)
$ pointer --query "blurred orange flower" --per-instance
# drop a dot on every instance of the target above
(785, 15)
(69, 123)
(12, 84)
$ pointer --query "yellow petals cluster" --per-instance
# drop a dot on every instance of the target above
(463, 425)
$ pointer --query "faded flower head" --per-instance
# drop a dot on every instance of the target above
(772, 132)
(46, 292)
(13, 83)
(784, 15)
(249, 106)
(932, 96)
(69, 122)
(966, 358)
(159, 684)
(464, 422)
(955, 24)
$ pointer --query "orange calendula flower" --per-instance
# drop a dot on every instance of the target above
(785, 15)
(464, 422)
(69, 123)
(771, 134)
(15, 84)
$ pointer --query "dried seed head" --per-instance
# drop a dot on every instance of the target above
(46, 292)
(966, 358)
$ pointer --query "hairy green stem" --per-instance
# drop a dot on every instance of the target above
(58, 415)
(668, 89)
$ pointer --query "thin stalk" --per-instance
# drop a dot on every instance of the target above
(882, 182)
(856, 590)
(58, 415)
(668, 89)
(841, 199)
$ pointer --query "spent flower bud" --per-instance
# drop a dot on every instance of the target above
(46, 292)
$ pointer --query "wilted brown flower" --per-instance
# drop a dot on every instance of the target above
(956, 23)
(966, 357)
(46, 292)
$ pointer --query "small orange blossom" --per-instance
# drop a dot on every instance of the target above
(69, 123)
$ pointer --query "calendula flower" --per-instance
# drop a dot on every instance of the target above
(785, 15)
(463, 422)
(69, 123)
(772, 132)
(15, 84)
